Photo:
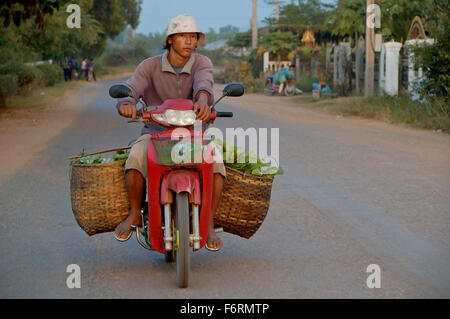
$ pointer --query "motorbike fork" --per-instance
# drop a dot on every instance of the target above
(194, 238)
(168, 238)
(196, 229)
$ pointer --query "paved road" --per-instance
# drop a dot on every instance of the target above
(355, 192)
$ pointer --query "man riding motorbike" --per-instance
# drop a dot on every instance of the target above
(177, 74)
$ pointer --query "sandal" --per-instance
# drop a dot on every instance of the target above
(124, 231)
(212, 240)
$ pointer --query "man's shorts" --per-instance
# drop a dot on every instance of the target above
(138, 158)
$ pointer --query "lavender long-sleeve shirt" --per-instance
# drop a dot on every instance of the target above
(155, 81)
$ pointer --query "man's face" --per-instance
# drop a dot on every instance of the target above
(183, 43)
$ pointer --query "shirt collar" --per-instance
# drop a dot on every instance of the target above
(167, 67)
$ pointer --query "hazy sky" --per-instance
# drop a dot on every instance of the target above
(209, 13)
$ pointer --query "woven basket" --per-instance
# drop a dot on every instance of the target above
(100, 201)
(98, 195)
(244, 204)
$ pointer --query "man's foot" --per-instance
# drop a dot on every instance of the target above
(125, 229)
(213, 243)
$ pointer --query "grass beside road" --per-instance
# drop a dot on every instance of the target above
(44, 96)
(396, 110)
(52, 95)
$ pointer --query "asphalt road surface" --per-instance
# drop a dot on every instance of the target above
(355, 193)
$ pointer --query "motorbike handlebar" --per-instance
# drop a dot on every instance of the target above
(224, 114)
(215, 115)
(212, 116)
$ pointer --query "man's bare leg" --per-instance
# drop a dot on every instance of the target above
(135, 184)
(217, 192)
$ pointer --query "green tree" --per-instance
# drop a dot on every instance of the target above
(56, 39)
(22, 10)
(348, 19)
(228, 31)
(211, 35)
(132, 10)
(435, 59)
(301, 15)
(109, 13)
(279, 43)
(23, 41)
(241, 40)
(397, 15)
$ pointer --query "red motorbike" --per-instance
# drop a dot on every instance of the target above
(175, 218)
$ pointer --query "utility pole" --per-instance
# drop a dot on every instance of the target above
(370, 54)
(254, 25)
(277, 8)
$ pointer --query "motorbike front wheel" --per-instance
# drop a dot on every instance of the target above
(182, 231)
(170, 255)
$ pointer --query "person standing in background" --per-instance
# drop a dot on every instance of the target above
(90, 70)
(83, 69)
(66, 68)
(73, 65)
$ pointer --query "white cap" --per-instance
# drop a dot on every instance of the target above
(183, 24)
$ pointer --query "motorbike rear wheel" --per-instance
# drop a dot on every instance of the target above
(183, 249)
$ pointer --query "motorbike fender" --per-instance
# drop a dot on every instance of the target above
(181, 181)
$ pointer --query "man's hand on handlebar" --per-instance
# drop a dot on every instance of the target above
(202, 109)
(128, 110)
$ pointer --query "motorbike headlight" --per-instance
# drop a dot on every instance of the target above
(175, 117)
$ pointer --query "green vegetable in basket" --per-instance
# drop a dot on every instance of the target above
(107, 160)
(93, 159)
(249, 164)
(120, 156)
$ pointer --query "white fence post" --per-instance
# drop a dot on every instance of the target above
(392, 59)
(265, 61)
(382, 72)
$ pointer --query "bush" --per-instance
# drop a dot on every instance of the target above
(8, 87)
(253, 85)
(229, 74)
(9, 82)
(2, 97)
(51, 74)
(305, 84)
(435, 58)
(27, 76)
(116, 57)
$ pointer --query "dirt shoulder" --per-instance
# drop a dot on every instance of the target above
(27, 130)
